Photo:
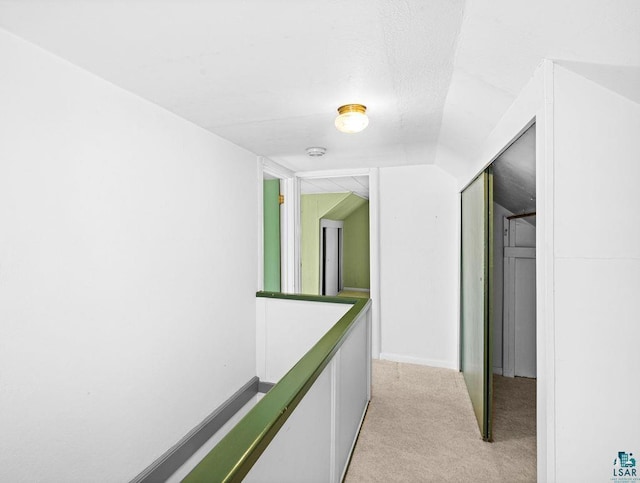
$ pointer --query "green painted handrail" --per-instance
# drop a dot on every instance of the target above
(232, 458)
(308, 298)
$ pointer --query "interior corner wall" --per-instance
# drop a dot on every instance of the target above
(127, 285)
(356, 249)
(597, 276)
(419, 222)
(312, 208)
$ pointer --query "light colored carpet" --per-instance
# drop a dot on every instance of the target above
(420, 427)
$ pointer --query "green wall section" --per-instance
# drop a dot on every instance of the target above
(356, 248)
(333, 206)
(345, 208)
(312, 208)
(271, 193)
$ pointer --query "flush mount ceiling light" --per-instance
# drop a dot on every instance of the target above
(352, 118)
(316, 152)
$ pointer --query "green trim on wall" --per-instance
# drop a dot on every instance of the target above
(356, 248)
(271, 217)
(232, 458)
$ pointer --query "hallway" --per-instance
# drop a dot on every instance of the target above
(420, 427)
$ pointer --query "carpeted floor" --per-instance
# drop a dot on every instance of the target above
(420, 427)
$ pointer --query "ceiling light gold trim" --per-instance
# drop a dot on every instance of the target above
(352, 108)
(352, 118)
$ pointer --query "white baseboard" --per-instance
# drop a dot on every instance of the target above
(497, 370)
(418, 360)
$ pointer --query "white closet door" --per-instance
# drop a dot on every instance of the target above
(519, 299)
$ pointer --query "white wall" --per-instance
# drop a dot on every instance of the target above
(419, 222)
(597, 275)
(287, 329)
(127, 273)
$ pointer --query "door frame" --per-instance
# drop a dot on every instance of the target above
(535, 104)
(374, 239)
(289, 187)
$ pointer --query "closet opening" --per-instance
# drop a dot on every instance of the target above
(514, 325)
(498, 297)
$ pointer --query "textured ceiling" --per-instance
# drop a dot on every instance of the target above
(436, 75)
(269, 75)
(358, 185)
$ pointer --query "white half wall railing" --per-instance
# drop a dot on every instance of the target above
(305, 427)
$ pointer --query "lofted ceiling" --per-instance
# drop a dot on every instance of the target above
(503, 41)
(436, 75)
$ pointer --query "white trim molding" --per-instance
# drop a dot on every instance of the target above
(289, 273)
(334, 173)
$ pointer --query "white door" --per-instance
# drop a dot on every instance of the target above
(330, 257)
(520, 298)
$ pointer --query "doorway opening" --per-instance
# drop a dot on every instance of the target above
(514, 295)
(277, 243)
(272, 200)
(331, 257)
(498, 295)
(335, 245)
(361, 261)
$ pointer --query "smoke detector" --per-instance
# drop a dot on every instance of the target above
(316, 152)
